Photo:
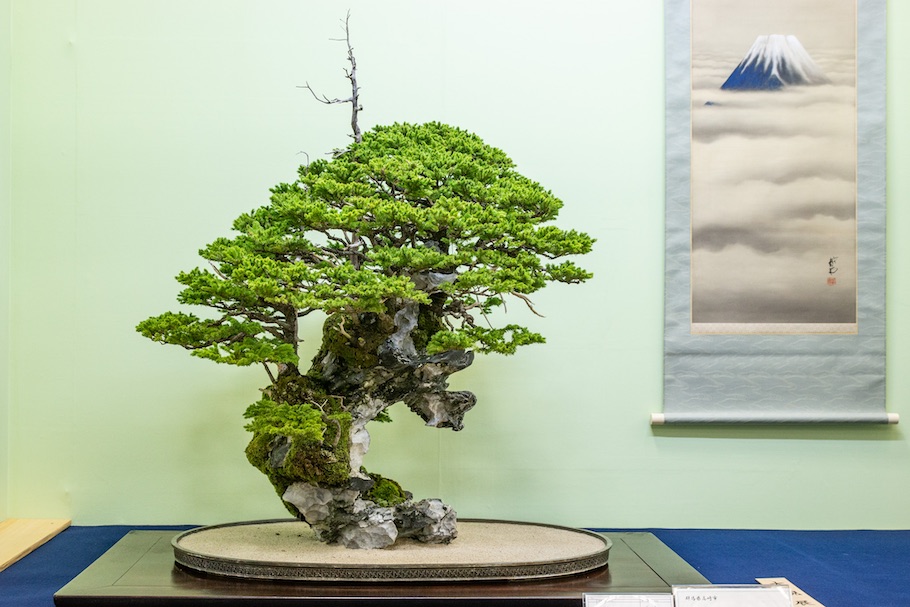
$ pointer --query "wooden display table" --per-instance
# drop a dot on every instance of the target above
(139, 571)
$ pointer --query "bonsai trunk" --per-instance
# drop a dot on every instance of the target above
(367, 362)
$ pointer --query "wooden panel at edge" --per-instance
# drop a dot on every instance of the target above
(19, 536)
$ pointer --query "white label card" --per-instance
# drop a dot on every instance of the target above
(800, 598)
(628, 600)
(732, 596)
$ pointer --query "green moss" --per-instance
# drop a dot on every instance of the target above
(429, 322)
(385, 492)
(304, 440)
(296, 389)
(324, 463)
(257, 453)
(355, 341)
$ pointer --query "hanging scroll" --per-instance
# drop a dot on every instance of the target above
(775, 251)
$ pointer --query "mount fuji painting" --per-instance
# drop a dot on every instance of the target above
(773, 205)
(774, 61)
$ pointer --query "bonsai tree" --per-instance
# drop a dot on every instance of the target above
(409, 241)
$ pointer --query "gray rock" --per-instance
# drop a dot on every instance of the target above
(406, 321)
(340, 515)
(430, 520)
(441, 409)
(375, 530)
(403, 372)
(313, 503)
(429, 281)
(278, 451)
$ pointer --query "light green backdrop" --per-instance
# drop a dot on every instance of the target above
(140, 129)
(5, 207)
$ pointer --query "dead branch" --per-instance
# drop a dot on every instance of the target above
(528, 303)
(351, 75)
(217, 271)
(342, 331)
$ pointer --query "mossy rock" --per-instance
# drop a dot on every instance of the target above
(386, 492)
(287, 458)
(355, 341)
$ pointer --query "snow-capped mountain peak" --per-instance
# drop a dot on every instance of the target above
(775, 61)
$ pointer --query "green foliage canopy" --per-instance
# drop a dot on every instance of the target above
(412, 213)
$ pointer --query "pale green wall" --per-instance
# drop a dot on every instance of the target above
(5, 203)
(141, 129)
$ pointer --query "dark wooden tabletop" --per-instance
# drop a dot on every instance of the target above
(139, 571)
